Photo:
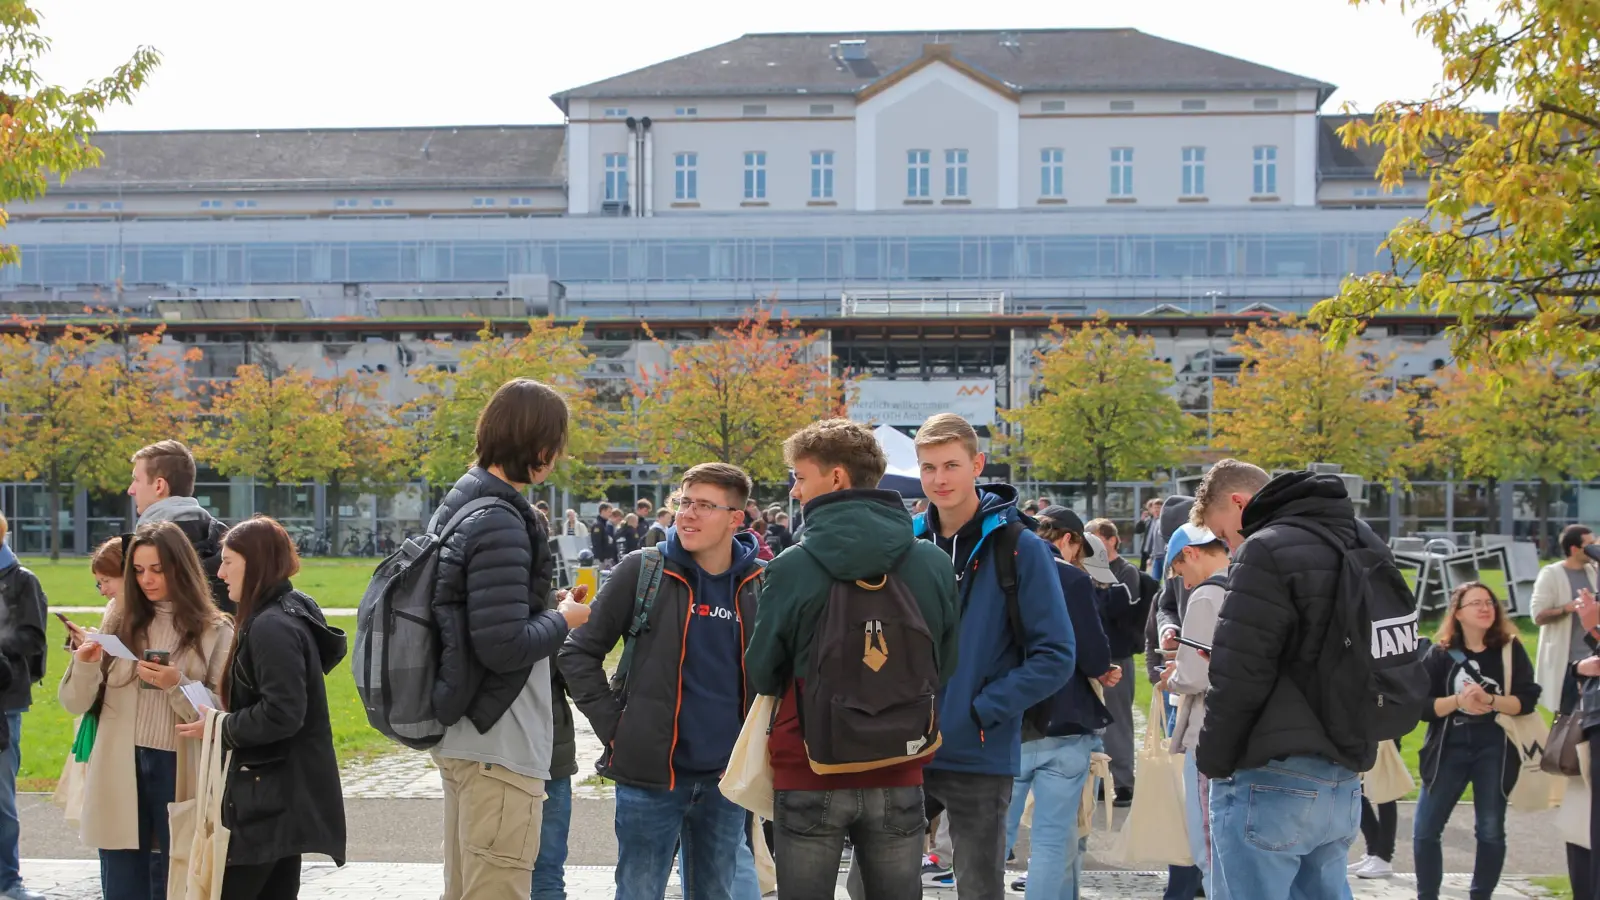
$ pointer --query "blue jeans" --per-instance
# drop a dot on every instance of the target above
(1055, 769)
(550, 868)
(1471, 754)
(650, 824)
(142, 874)
(10, 825)
(746, 886)
(1284, 830)
(1194, 816)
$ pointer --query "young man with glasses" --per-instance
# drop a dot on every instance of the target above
(685, 693)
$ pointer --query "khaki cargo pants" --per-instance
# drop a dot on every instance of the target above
(491, 830)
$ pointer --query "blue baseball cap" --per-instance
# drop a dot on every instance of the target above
(1188, 535)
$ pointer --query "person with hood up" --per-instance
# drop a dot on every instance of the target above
(1000, 674)
(283, 798)
(854, 534)
(670, 724)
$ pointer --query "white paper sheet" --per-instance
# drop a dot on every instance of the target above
(114, 646)
(198, 696)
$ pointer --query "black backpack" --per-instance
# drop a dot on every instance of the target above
(869, 699)
(1038, 717)
(205, 535)
(1371, 683)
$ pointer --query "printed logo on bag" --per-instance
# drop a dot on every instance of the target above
(875, 648)
(1394, 637)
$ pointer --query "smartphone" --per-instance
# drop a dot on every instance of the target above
(1195, 644)
(71, 629)
(160, 658)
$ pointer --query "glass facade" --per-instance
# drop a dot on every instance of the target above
(838, 259)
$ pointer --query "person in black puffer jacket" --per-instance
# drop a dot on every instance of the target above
(283, 797)
(497, 639)
(1262, 727)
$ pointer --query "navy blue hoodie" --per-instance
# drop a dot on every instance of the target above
(998, 677)
(712, 708)
(1075, 709)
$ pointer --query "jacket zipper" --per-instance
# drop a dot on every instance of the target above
(683, 654)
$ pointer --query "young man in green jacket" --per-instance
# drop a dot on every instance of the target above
(852, 531)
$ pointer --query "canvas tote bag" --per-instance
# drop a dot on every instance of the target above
(748, 779)
(1388, 779)
(198, 840)
(1534, 789)
(1155, 830)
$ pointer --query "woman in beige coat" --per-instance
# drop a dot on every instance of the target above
(139, 764)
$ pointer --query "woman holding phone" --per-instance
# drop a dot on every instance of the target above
(165, 617)
(1464, 744)
(284, 798)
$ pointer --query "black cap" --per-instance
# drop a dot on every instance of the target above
(1064, 517)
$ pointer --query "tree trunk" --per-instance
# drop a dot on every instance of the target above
(1542, 517)
(55, 517)
(1492, 497)
(1089, 489)
(333, 526)
(1100, 497)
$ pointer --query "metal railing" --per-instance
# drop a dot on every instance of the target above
(922, 303)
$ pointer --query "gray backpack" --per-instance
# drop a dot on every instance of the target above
(396, 658)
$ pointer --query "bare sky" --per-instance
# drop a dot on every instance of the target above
(327, 63)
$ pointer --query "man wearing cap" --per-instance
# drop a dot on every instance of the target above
(1199, 560)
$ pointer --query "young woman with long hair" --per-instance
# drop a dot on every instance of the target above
(283, 797)
(139, 764)
(1464, 745)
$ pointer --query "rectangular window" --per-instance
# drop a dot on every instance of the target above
(1122, 106)
(822, 174)
(616, 112)
(1193, 105)
(521, 201)
(686, 176)
(382, 202)
(210, 204)
(1052, 171)
(1265, 182)
(755, 175)
(917, 173)
(616, 176)
(822, 109)
(1052, 106)
(244, 204)
(1122, 171)
(686, 111)
(755, 109)
(955, 173)
(1194, 171)
(1266, 103)
(77, 206)
(482, 201)
(347, 203)
(109, 204)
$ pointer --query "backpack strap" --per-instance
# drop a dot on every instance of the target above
(652, 565)
(1005, 571)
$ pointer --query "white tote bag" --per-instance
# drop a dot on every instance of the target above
(1534, 789)
(1155, 830)
(1388, 779)
(748, 779)
(206, 859)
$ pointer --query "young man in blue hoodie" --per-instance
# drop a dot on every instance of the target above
(670, 725)
(999, 674)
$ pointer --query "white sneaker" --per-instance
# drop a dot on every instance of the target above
(1358, 864)
(1374, 868)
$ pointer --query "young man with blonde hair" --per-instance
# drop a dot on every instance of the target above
(1014, 653)
(854, 532)
(162, 489)
(24, 611)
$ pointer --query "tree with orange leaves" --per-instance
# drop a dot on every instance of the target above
(273, 426)
(736, 397)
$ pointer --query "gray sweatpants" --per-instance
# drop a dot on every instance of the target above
(1119, 734)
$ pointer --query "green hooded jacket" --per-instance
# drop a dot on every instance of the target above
(848, 535)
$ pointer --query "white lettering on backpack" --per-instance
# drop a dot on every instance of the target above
(1394, 637)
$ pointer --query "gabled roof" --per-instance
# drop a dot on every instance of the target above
(528, 156)
(1062, 59)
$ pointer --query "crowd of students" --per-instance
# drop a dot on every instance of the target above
(928, 671)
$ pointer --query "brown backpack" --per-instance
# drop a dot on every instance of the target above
(870, 696)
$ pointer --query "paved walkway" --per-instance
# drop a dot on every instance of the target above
(61, 879)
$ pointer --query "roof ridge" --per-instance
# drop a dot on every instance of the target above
(937, 31)
(332, 130)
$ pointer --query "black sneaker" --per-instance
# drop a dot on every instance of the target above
(1124, 798)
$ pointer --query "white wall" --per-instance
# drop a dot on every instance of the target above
(936, 109)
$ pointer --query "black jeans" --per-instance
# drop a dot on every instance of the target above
(276, 880)
(1378, 825)
(1472, 754)
(886, 826)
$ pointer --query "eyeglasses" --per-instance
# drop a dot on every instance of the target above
(696, 508)
(1486, 602)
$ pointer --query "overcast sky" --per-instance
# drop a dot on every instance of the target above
(327, 63)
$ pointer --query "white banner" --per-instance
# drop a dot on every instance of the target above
(882, 402)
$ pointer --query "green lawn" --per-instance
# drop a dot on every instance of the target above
(48, 731)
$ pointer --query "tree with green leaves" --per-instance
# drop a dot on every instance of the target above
(1101, 410)
(443, 421)
(1300, 400)
(372, 447)
(1509, 244)
(45, 129)
(274, 427)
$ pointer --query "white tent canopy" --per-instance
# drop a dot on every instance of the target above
(902, 474)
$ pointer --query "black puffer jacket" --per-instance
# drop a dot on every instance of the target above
(283, 794)
(491, 603)
(1263, 702)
